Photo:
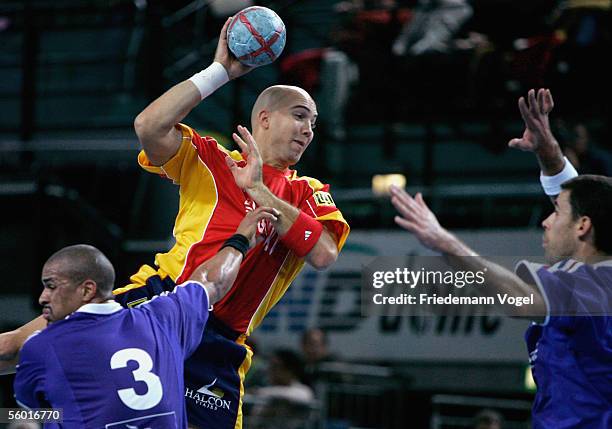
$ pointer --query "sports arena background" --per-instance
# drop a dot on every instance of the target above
(74, 74)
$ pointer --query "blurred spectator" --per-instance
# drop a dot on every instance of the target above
(365, 33)
(585, 26)
(285, 374)
(435, 24)
(587, 158)
(488, 419)
(286, 402)
(315, 349)
(328, 74)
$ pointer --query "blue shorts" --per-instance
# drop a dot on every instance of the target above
(214, 373)
(214, 377)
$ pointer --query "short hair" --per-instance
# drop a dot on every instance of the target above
(591, 195)
(82, 262)
(273, 98)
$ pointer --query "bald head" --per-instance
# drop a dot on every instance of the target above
(84, 262)
(275, 98)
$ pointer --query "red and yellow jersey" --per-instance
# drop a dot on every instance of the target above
(211, 207)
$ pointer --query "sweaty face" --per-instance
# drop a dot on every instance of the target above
(560, 239)
(292, 126)
(60, 295)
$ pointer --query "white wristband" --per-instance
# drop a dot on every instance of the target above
(552, 184)
(210, 79)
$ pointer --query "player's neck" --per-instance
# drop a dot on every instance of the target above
(278, 165)
(590, 255)
(273, 161)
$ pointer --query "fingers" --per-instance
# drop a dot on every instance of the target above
(533, 103)
(518, 144)
(244, 148)
(410, 226)
(406, 209)
(540, 99)
(248, 138)
(549, 104)
(230, 163)
(419, 199)
(246, 141)
(223, 35)
(526, 114)
(265, 215)
(267, 212)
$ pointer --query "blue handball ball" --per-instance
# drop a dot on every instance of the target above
(256, 36)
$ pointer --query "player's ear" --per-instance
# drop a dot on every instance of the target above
(263, 119)
(584, 227)
(89, 288)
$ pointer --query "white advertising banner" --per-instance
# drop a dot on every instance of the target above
(331, 300)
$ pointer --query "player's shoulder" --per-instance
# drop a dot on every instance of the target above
(36, 344)
(198, 139)
(311, 182)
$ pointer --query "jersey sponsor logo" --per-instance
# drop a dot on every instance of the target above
(265, 229)
(322, 198)
(216, 392)
(209, 397)
(249, 206)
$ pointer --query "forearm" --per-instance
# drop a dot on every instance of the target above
(11, 342)
(155, 124)
(219, 273)
(324, 252)
(169, 109)
(288, 213)
(550, 157)
(497, 278)
(9, 351)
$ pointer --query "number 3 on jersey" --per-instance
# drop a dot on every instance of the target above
(143, 373)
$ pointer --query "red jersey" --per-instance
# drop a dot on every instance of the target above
(210, 209)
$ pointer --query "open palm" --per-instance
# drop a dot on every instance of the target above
(250, 175)
(535, 115)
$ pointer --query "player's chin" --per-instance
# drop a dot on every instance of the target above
(294, 158)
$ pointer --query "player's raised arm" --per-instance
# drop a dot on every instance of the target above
(539, 139)
(415, 217)
(218, 273)
(154, 126)
(322, 250)
(11, 342)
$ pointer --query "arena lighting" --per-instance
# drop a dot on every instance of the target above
(381, 183)
(530, 385)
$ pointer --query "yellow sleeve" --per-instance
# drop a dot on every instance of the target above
(184, 157)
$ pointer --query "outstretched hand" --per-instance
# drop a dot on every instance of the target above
(416, 217)
(250, 175)
(223, 55)
(248, 226)
(537, 135)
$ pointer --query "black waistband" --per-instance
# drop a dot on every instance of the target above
(222, 328)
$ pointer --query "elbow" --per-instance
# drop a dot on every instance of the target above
(322, 260)
(141, 125)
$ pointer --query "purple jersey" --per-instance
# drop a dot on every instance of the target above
(108, 367)
(571, 352)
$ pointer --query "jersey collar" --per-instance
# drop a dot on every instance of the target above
(108, 307)
(606, 263)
